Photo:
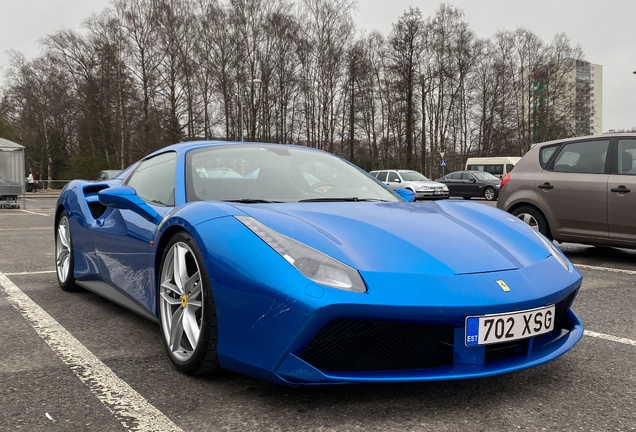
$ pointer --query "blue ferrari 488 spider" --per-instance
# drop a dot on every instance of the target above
(293, 265)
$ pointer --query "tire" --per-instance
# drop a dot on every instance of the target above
(190, 343)
(490, 194)
(64, 259)
(533, 217)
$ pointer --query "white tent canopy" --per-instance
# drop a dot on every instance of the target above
(11, 169)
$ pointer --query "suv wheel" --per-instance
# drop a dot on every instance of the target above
(533, 217)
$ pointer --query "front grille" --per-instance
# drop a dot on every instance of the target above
(352, 345)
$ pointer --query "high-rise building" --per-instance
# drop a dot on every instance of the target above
(588, 84)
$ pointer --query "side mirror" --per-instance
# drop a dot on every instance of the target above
(398, 181)
(125, 197)
(406, 194)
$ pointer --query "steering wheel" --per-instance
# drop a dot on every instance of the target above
(315, 186)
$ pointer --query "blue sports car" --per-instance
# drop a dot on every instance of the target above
(303, 282)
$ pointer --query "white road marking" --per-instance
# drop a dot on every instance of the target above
(27, 229)
(41, 214)
(609, 269)
(28, 273)
(129, 407)
(610, 338)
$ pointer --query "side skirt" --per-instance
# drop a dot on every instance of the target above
(105, 290)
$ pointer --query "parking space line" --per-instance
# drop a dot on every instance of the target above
(41, 214)
(609, 269)
(129, 407)
(27, 229)
(28, 273)
(610, 338)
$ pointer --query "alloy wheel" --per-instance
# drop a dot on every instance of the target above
(529, 220)
(181, 301)
(63, 249)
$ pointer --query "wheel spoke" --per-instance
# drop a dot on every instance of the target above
(172, 287)
(170, 300)
(63, 235)
(180, 269)
(62, 257)
(191, 327)
(176, 330)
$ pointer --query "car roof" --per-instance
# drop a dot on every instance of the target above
(191, 145)
(588, 137)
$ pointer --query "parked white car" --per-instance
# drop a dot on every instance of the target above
(414, 181)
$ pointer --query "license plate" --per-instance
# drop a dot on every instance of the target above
(497, 328)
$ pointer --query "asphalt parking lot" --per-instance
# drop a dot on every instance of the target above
(52, 338)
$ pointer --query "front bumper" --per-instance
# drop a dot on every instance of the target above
(468, 362)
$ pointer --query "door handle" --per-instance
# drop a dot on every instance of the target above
(546, 185)
(621, 189)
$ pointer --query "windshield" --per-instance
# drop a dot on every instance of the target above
(485, 176)
(412, 176)
(276, 173)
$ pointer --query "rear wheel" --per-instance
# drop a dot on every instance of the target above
(533, 217)
(64, 261)
(490, 194)
(186, 308)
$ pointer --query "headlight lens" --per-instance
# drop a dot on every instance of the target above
(555, 251)
(425, 188)
(313, 264)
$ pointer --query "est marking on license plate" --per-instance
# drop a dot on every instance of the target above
(497, 328)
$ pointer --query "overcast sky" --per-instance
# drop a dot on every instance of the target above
(604, 29)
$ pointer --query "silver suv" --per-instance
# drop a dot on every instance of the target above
(414, 181)
(577, 190)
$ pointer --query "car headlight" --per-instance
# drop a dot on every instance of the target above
(425, 188)
(555, 251)
(445, 188)
(313, 264)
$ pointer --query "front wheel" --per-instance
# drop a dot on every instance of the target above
(186, 308)
(64, 260)
(490, 194)
(533, 217)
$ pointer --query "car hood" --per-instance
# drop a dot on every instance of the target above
(421, 238)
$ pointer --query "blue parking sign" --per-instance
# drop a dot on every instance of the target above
(442, 163)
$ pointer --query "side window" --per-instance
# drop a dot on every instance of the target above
(509, 167)
(393, 176)
(546, 153)
(454, 176)
(154, 179)
(627, 156)
(467, 176)
(374, 173)
(382, 175)
(582, 157)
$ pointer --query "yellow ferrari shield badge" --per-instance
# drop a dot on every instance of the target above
(503, 286)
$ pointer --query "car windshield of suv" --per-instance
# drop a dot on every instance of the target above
(273, 173)
(412, 176)
(485, 176)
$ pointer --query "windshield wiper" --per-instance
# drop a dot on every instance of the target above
(343, 199)
(250, 201)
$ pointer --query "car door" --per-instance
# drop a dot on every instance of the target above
(469, 185)
(573, 189)
(394, 181)
(453, 181)
(122, 242)
(382, 176)
(621, 198)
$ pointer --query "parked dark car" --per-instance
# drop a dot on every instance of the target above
(577, 190)
(468, 184)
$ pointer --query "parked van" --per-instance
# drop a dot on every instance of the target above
(497, 166)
